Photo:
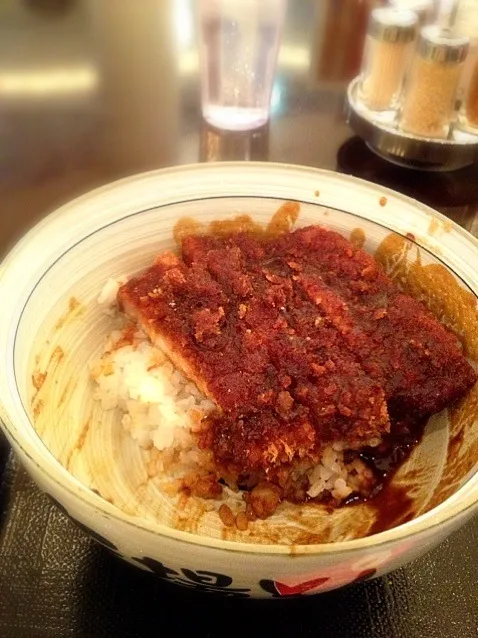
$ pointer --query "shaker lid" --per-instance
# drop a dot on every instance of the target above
(439, 44)
(391, 24)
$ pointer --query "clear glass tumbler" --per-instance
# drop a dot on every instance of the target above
(238, 47)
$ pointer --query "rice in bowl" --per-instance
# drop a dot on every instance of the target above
(163, 412)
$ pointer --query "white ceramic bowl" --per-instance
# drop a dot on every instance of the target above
(51, 327)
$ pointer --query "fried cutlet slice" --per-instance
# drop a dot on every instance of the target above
(189, 315)
(416, 358)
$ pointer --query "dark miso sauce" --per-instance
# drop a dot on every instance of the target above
(391, 503)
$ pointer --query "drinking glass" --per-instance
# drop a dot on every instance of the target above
(238, 46)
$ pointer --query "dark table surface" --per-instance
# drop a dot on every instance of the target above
(91, 91)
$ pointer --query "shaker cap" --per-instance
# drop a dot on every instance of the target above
(441, 45)
(391, 24)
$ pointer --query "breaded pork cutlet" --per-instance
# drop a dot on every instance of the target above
(276, 365)
(300, 340)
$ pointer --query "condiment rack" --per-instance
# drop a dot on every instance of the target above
(415, 101)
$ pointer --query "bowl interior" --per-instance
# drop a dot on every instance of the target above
(62, 329)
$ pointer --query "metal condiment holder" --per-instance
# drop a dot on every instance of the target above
(412, 151)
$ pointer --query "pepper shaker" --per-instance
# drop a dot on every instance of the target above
(468, 115)
(466, 23)
(388, 46)
(430, 88)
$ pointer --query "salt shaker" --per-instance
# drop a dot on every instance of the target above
(388, 45)
(429, 97)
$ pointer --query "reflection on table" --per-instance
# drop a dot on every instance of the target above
(217, 145)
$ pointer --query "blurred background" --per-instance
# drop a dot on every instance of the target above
(93, 90)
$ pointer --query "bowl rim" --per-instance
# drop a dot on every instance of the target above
(459, 504)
